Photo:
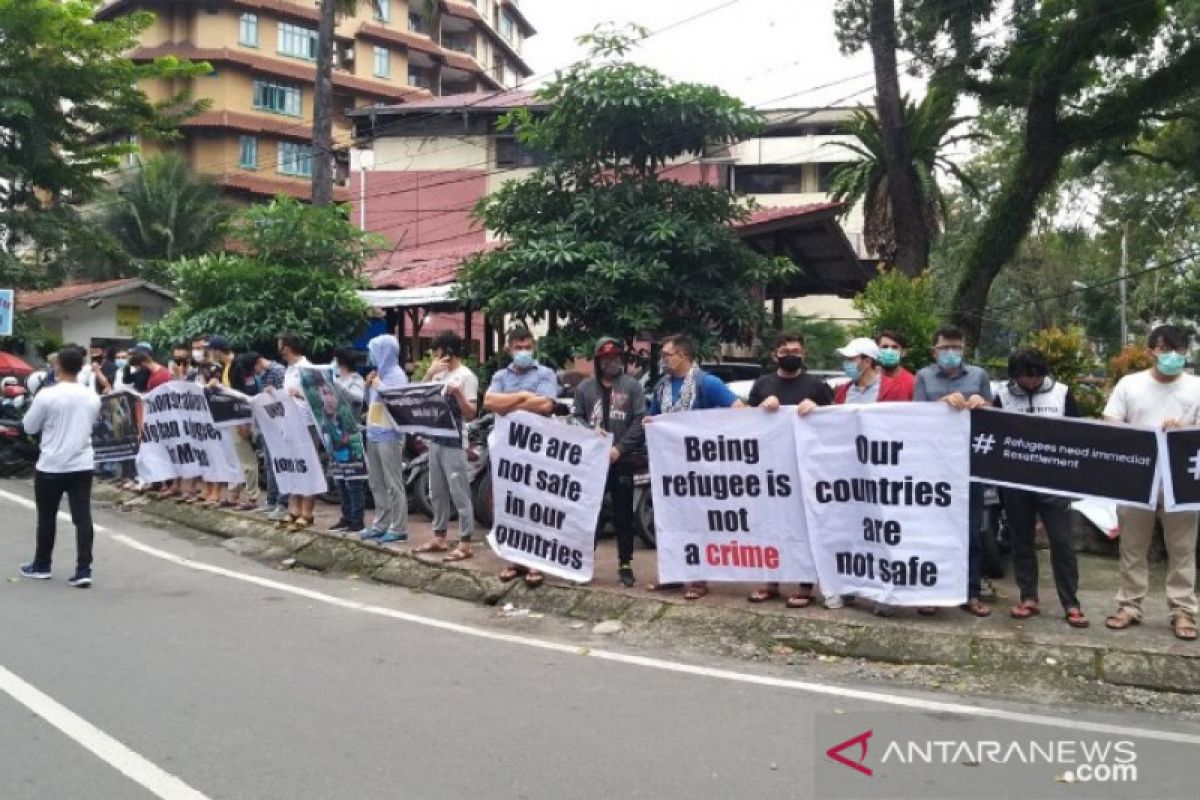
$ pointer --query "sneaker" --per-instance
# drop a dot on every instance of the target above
(341, 527)
(279, 513)
(391, 537)
(625, 575)
(370, 534)
(267, 509)
(82, 579)
(834, 602)
(35, 572)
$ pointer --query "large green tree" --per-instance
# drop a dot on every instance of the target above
(69, 100)
(601, 236)
(298, 271)
(1086, 80)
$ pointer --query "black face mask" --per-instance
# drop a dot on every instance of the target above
(791, 363)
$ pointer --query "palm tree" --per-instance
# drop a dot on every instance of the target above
(928, 125)
(322, 147)
(162, 211)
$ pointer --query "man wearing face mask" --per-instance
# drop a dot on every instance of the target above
(614, 402)
(961, 386)
(893, 347)
(524, 385)
(1160, 397)
(789, 385)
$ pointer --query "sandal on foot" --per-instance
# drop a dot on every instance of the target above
(927, 611)
(300, 523)
(509, 574)
(433, 546)
(458, 554)
(800, 600)
(1076, 618)
(763, 595)
(1183, 626)
(1024, 610)
(1121, 619)
(534, 579)
(977, 607)
(695, 592)
(285, 522)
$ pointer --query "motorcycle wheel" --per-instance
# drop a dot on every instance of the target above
(481, 499)
(421, 500)
(643, 520)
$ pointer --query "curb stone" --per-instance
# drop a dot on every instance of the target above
(741, 630)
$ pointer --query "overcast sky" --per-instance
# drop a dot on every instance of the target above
(767, 52)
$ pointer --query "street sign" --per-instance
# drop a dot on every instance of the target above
(7, 309)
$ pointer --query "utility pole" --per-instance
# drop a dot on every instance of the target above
(1124, 273)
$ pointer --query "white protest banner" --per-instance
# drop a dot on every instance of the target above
(885, 498)
(727, 505)
(294, 457)
(179, 439)
(548, 483)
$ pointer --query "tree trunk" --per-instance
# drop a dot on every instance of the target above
(1009, 216)
(908, 215)
(322, 145)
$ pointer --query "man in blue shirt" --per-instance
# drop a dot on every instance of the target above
(524, 385)
(686, 387)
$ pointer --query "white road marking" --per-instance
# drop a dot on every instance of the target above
(62, 515)
(811, 687)
(154, 779)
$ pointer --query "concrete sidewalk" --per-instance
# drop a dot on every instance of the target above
(1146, 656)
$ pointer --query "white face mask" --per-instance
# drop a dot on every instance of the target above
(197, 355)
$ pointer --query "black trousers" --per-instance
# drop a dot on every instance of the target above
(620, 491)
(1023, 509)
(48, 489)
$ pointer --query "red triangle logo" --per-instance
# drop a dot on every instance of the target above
(835, 753)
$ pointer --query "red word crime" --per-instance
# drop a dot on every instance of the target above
(735, 554)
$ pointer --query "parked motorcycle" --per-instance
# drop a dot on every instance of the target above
(14, 399)
(18, 451)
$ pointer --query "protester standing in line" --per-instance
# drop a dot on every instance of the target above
(523, 385)
(385, 445)
(242, 451)
(612, 401)
(449, 480)
(686, 387)
(269, 374)
(1160, 397)
(1031, 390)
(64, 415)
(350, 492)
(961, 386)
(893, 347)
(789, 385)
(301, 508)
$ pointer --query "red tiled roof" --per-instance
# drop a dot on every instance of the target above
(32, 301)
(412, 41)
(455, 8)
(248, 123)
(421, 266)
(269, 187)
(762, 216)
(274, 66)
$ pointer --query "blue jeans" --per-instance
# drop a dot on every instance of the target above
(975, 550)
(353, 502)
(274, 498)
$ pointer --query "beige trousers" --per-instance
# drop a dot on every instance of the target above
(249, 463)
(1179, 533)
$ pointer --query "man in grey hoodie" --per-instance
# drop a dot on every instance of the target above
(613, 402)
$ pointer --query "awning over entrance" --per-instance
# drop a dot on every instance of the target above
(812, 239)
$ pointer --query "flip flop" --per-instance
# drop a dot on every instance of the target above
(799, 600)
(1025, 610)
(1076, 618)
(534, 579)
(433, 546)
(763, 595)
(695, 592)
(458, 554)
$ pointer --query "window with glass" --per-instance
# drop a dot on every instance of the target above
(421, 78)
(511, 154)
(417, 23)
(383, 11)
(825, 174)
(248, 152)
(248, 30)
(297, 41)
(770, 179)
(295, 159)
(507, 28)
(383, 62)
(277, 98)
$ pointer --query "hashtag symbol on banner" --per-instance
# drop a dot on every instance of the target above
(1194, 466)
(984, 443)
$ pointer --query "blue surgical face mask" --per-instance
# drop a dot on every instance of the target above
(889, 358)
(1171, 363)
(523, 359)
(950, 359)
(851, 369)
(121, 362)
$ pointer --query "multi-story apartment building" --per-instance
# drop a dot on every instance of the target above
(256, 137)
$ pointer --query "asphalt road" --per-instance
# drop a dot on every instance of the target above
(188, 671)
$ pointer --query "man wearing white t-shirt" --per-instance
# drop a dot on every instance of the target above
(64, 414)
(1160, 397)
(449, 482)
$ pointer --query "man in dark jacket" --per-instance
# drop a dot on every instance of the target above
(613, 402)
